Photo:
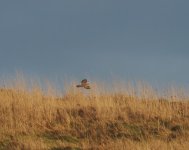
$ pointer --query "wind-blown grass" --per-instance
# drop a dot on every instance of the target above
(134, 118)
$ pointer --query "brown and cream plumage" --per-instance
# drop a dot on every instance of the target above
(84, 84)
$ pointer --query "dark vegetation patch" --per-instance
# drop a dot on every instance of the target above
(134, 132)
(66, 148)
(12, 144)
(57, 135)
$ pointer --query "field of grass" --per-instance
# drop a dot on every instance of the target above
(121, 119)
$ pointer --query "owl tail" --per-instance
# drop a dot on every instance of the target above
(87, 87)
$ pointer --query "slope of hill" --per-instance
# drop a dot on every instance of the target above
(33, 120)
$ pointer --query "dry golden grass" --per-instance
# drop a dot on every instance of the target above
(132, 118)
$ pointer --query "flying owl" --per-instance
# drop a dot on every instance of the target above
(84, 84)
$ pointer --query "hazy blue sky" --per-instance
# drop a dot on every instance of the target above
(127, 39)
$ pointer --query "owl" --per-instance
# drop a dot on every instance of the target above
(84, 84)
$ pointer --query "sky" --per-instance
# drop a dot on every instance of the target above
(99, 39)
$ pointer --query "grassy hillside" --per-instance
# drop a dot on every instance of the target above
(33, 119)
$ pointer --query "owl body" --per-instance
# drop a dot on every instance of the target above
(84, 84)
